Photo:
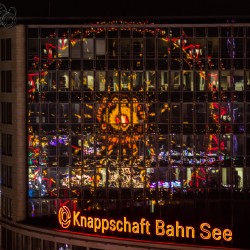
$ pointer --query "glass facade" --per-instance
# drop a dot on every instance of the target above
(136, 117)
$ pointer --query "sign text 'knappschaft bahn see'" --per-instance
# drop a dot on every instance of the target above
(142, 226)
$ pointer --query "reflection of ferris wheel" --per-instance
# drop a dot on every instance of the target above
(117, 115)
(120, 113)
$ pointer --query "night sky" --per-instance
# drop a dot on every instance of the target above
(128, 8)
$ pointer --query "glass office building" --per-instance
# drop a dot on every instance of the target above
(138, 122)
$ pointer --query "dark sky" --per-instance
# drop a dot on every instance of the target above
(128, 8)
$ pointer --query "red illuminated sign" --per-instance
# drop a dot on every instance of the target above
(142, 226)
